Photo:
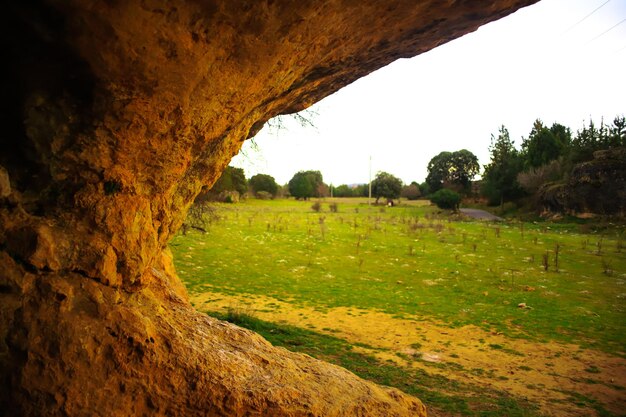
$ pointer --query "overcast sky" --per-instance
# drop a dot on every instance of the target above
(555, 60)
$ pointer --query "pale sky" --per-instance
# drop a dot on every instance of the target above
(552, 61)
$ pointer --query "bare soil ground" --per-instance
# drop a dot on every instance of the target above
(543, 373)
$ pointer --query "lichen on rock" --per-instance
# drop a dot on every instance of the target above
(115, 114)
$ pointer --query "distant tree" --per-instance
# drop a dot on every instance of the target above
(343, 190)
(411, 192)
(446, 199)
(617, 132)
(500, 178)
(263, 182)
(300, 187)
(545, 145)
(361, 190)
(387, 186)
(439, 168)
(232, 179)
(424, 188)
(588, 140)
(452, 169)
(465, 167)
(322, 190)
(283, 191)
(306, 184)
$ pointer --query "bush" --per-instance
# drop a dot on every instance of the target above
(264, 195)
(533, 179)
(446, 199)
(333, 207)
(229, 196)
(317, 207)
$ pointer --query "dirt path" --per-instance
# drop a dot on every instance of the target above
(480, 214)
(543, 373)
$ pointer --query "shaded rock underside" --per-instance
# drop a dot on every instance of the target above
(114, 115)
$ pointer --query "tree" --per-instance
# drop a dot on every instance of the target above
(343, 190)
(617, 132)
(465, 167)
(500, 177)
(361, 190)
(306, 184)
(411, 192)
(453, 170)
(232, 179)
(438, 170)
(387, 186)
(545, 145)
(263, 182)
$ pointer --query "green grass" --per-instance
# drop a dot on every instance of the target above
(438, 392)
(410, 260)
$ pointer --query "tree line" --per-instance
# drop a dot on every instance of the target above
(547, 155)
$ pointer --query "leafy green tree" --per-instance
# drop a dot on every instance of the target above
(232, 179)
(439, 168)
(446, 199)
(387, 186)
(263, 182)
(306, 184)
(343, 190)
(361, 190)
(465, 167)
(545, 144)
(500, 178)
(452, 169)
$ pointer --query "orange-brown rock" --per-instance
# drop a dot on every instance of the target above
(114, 114)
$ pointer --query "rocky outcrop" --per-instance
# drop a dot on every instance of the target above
(114, 115)
(596, 187)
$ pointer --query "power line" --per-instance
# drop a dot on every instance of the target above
(585, 18)
(608, 30)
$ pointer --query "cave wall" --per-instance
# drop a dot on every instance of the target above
(115, 114)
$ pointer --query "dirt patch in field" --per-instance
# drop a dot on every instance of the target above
(547, 374)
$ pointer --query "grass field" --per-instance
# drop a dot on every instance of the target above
(474, 318)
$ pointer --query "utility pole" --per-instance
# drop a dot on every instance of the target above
(369, 195)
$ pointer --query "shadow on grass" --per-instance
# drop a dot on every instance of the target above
(441, 395)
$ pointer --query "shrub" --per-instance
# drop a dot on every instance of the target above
(229, 196)
(317, 207)
(333, 207)
(264, 195)
(532, 180)
(446, 199)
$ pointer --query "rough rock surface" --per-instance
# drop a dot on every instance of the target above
(114, 115)
(596, 187)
